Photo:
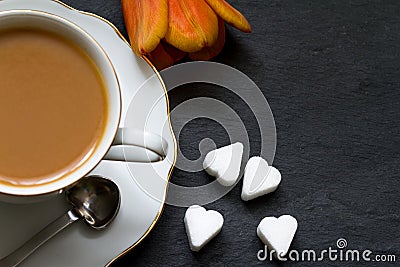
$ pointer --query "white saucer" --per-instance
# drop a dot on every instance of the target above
(145, 107)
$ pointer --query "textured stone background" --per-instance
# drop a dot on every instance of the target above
(330, 71)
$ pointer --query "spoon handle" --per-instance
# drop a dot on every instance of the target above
(21, 253)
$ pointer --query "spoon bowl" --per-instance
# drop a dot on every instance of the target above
(94, 198)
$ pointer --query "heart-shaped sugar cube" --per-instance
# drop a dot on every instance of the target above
(277, 233)
(224, 163)
(202, 226)
(259, 178)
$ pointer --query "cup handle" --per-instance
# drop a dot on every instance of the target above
(134, 145)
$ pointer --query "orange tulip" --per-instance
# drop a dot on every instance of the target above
(167, 30)
(146, 22)
(208, 52)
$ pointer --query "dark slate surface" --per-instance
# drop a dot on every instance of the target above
(331, 73)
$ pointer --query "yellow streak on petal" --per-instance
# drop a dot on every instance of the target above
(192, 25)
(209, 52)
(146, 22)
(230, 14)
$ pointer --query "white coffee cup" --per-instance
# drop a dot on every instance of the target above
(60, 26)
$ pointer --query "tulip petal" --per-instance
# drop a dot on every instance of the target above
(129, 9)
(209, 52)
(192, 25)
(146, 22)
(231, 15)
(165, 55)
